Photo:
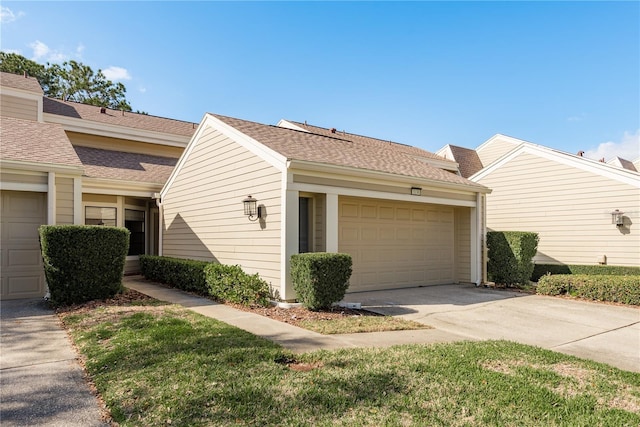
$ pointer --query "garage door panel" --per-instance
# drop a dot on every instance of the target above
(407, 244)
(21, 272)
(23, 257)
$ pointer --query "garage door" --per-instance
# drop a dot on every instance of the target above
(21, 263)
(396, 244)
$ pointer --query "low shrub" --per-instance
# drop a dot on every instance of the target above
(540, 270)
(83, 262)
(320, 278)
(231, 284)
(185, 274)
(622, 289)
(511, 256)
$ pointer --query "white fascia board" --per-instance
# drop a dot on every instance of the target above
(20, 93)
(371, 194)
(288, 125)
(40, 167)
(272, 157)
(385, 176)
(593, 166)
(122, 132)
(119, 188)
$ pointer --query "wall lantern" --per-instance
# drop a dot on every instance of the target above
(617, 218)
(251, 208)
(416, 191)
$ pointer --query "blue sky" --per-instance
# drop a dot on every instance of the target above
(561, 74)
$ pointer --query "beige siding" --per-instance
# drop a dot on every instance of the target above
(463, 244)
(569, 208)
(493, 150)
(19, 108)
(99, 198)
(203, 211)
(64, 200)
(396, 244)
(117, 144)
(41, 178)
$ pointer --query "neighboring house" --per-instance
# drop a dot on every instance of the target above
(567, 199)
(403, 213)
(70, 163)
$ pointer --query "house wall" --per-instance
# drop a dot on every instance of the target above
(203, 211)
(462, 253)
(569, 208)
(494, 149)
(64, 200)
(19, 108)
(39, 178)
(125, 145)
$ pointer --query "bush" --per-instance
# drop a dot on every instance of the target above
(185, 274)
(540, 270)
(510, 256)
(320, 279)
(622, 289)
(230, 283)
(83, 262)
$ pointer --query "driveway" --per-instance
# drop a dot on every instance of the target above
(601, 332)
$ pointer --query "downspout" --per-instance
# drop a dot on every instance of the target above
(480, 240)
(158, 198)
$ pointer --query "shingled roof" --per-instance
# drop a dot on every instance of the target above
(20, 81)
(369, 141)
(119, 165)
(336, 149)
(468, 160)
(30, 141)
(118, 118)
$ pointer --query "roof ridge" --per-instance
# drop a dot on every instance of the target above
(387, 141)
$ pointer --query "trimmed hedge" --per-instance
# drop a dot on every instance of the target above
(540, 270)
(185, 274)
(230, 283)
(622, 289)
(510, 256)
(83, 262)
(320, 278)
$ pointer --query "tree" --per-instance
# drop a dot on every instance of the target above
(70, 81)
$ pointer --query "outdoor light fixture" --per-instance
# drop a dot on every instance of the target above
(416, 191)
(617, 218)
(251, 208)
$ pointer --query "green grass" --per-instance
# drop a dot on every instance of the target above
(360, 324)
(155, 365)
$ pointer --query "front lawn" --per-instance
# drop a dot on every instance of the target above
(156, 364)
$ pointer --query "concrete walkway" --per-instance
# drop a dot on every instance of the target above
(41, 381)
(290, 337)
(601, 332)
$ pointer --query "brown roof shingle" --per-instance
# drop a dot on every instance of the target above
(30, 141)
(19, 81)
(118, 118)
(372, 142)
(335, 150)
(468, 160)
(109, 164)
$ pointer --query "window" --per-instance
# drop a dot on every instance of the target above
(134, 222)
(304, 225)
(94, 215)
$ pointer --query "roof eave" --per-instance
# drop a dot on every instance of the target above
(368, 173)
